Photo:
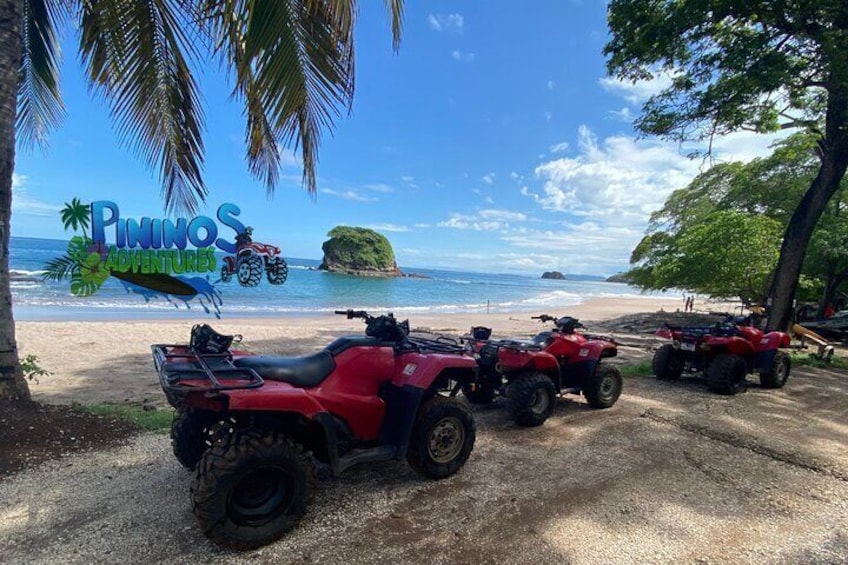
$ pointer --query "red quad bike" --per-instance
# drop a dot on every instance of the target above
(725, 352)
(251, 260)
(532, 373)
(251, 425)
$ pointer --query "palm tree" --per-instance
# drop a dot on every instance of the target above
(76, 215)
(292, 62)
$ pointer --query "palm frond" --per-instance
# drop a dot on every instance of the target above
(60, 268)
(76, 215)
(40, 107)
(137, 56)
(395, 9)
(294, 67)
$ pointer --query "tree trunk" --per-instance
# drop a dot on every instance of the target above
(13, 385)
(829, 293)
(834, 161)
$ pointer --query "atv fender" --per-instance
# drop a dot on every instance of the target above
(422, 370)
(275, 396)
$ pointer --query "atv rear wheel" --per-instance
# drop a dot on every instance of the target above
(442, 438)
(278, 270)
(226, 274)
(726, 374)
(249, 270)
(188, 439)
(604, 387)
(777, 375)
(668, 363)
(252, 488)
(482, 393)
(531, 397)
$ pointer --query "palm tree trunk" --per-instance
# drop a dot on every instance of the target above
(12, 382)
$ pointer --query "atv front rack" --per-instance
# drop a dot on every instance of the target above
(181, 369)
(441, 344)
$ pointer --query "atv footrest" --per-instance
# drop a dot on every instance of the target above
(356, 456)
(182, 369)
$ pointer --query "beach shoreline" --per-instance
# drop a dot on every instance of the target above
(109, 360)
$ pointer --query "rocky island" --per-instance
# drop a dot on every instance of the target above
(358, 251)
(555, 275)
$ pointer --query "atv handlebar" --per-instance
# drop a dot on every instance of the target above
(544, 318)
(351, 314)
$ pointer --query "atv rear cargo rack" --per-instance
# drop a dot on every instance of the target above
(179, 364)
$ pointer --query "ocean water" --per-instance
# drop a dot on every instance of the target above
(306, 292)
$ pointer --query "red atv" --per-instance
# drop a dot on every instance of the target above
(531, 373)
(251, 425)
(725, 352)
(251, 260)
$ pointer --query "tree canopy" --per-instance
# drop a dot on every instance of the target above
(721, 234)
(754, 65)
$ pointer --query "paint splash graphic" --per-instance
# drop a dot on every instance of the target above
(205, 294)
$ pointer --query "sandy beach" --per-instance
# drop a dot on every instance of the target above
(109, 361)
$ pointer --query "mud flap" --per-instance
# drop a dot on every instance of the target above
(763, 360)
(401, 409)
(575, 374)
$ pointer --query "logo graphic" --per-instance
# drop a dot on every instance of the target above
(151, 257)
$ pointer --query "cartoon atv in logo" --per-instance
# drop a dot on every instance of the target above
(251, 259)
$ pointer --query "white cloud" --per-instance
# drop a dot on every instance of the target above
(488, 178)
(636, 92)
(466, 222)
(623, 115)
(463, 56)
(347, 195)
(379, 187)
(409, 181)
(23, 204)
(619, 179)
(548, 116)
(387, 227)
(514, 176)
(610, 189)
(423, 226)
(550, 85)
(505, 215)
(559, 147)
(446, 22)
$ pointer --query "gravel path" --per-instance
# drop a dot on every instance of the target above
(671, 474)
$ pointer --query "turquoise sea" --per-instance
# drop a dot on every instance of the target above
(306, 292)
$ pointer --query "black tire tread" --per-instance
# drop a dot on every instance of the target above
(224, 458)
(662, 363)
(593, 392)
(429, 413)
(519, 392)
(255, 277)
(768, 379)
(720, 374)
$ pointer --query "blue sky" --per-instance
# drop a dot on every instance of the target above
(491, 142)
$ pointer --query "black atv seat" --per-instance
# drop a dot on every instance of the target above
(304, 372)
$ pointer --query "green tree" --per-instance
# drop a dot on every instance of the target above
(758, 65)
(726, 253)
(291, 62)
(767, 188)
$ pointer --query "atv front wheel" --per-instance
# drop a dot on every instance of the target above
(777, 375)
(442, 438)
(278, 270)
(252, 488)
(482, 394)
(249, 270)
(668, 363)
(531, 398)
(187, 435)
(726, 374)
(604, 387)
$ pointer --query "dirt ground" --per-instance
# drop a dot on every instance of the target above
(671, 474)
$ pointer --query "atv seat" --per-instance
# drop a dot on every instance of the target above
(304, 372)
